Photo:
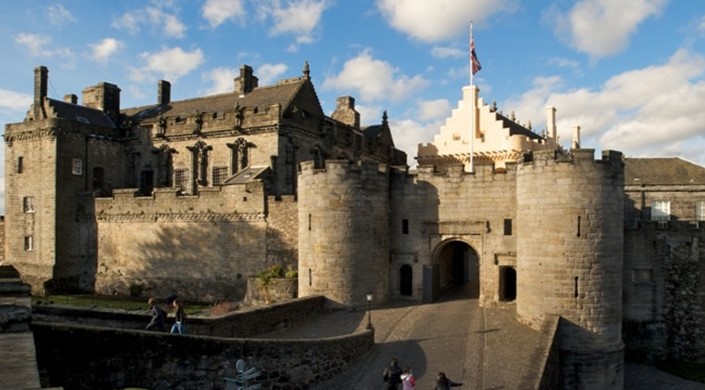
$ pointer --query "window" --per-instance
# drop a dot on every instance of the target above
(700, 210)
(77, 166)
(660, 210)
(220, 174)
(507, 227)
(404, 226)
(28, 243)
(20, 164)
(180, 179)
(28, 204)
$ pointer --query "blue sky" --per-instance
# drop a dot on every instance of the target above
(629, 72)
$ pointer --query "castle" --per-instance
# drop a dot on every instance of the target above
(196, 195)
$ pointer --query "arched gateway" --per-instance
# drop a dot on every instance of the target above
(454, 262)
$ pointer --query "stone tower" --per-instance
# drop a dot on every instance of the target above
(570, 259)
(344, 232)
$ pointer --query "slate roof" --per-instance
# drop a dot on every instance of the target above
(662, 171)
(282, 93)
(80, 113)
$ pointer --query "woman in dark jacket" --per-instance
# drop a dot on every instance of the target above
(179, 318)
(443, 383)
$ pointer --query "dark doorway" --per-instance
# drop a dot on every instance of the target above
(458, 265)
(405, 280)
(146, 182)
(507, 283)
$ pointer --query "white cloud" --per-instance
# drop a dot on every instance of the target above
(433, 109)
(564, 63)
(217, 12)
(58, 15)
(103, 50)
(270, 73)
(168, 64)
(39, 45)
(374, 79)
(155, 16)
(603, 27)
(408, 132)
(654, 118)
(437, 20)
(299, 18)
(14, 101)
(222, 79)
(448, 52)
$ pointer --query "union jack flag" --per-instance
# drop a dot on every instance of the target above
(475, 63)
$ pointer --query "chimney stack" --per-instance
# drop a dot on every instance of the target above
(71, 98)
(163, 92)
(41, 80)
(551, 121)
(246, 82)
(576, 138)
(345, 111)
(104, 97)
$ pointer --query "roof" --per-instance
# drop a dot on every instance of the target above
(662, 171)
(282, 93)
(81, 114)
(246, 175)
(515, 128)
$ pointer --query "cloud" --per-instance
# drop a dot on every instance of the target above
(217, 12)
(168, 64)
(167, 23)
(103, 50)
(654, 118)
(299, 18)
(374, 79)
(408, 132)
(14, 101)
(432, 21)
(222, 79)
(433, 109)
(270, 73)
(58, 15)
(448, 52)
(601, 28)
(39, 45)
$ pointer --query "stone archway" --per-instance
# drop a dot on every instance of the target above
(457, 264)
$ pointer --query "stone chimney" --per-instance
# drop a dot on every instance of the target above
(551, 121)
(163, 92)
(71, 98)
(345, 111)
(246, 82)
(104, 97)
(41, 80)
(576, 138)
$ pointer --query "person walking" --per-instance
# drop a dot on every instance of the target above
(179, 318)
(443, 383)
(158, 321)
(392, 375)
(407, 379)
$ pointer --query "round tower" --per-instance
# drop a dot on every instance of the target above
(344, 232)
(569, 258)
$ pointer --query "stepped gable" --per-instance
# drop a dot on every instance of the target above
(83, 114)
(662, 171)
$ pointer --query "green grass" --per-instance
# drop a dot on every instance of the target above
(97, 302)
(688, 370)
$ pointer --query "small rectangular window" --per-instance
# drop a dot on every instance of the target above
(77, 166)
(507, 227)
(700, 210)
(28, 204)
(220, 174)
(20, 164)
(180, 179)
(404, 226)
(28, 243)
(660, 210)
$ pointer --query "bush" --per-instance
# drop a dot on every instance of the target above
(136, 290)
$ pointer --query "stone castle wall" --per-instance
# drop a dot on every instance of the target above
(167, 244)
(344, 232)
(450, 206)
(570, 258)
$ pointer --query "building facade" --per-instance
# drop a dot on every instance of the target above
(194, 196)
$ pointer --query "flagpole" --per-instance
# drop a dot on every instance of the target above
(472, 105)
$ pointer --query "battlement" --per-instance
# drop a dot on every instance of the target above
(577, 157)
(340, 166)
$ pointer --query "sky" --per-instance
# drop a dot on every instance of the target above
(630, 73)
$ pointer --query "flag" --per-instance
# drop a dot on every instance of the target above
(475, 63)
